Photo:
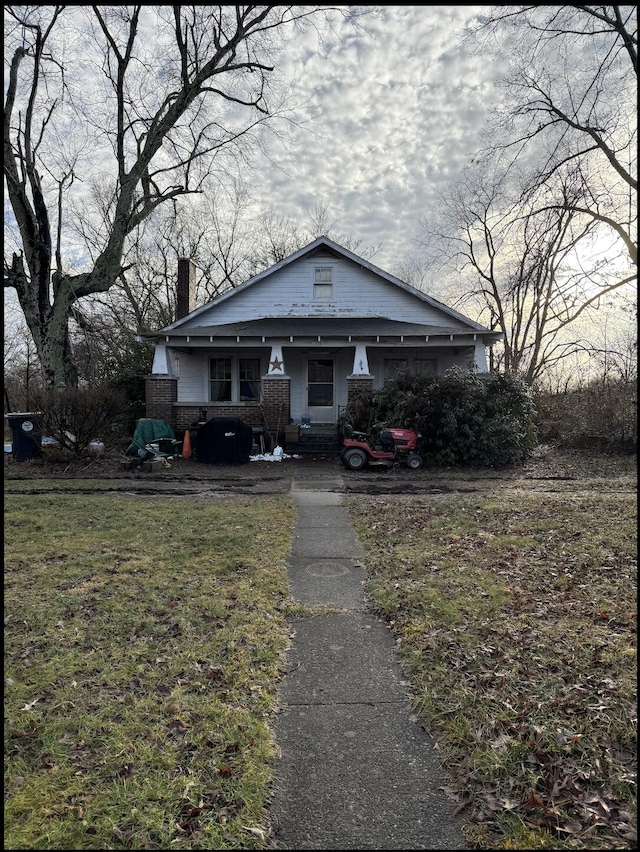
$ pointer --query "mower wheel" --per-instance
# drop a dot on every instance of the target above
(414, 462)
(354, 459)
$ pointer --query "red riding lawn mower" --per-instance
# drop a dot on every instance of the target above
(399, 448)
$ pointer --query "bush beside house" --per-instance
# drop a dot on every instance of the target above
(465, 418)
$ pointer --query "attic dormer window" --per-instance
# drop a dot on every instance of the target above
(322, 283)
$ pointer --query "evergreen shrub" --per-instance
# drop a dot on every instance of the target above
(466, 419)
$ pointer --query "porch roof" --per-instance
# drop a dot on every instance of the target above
(320, 328)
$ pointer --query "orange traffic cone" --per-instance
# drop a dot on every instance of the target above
(186, 445)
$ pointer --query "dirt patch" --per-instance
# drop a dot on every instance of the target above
(180, 476)
(549, 470)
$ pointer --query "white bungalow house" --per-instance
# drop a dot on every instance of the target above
(290, 344)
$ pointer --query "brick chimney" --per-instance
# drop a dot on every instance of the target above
(186, 290)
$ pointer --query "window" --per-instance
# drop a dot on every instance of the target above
(221, 379)
(249, 375)
(322, 283)
(393, 367)
(235, 379)
(425, 367)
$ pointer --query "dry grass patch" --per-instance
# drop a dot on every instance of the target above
(516, 619)
(143, 648)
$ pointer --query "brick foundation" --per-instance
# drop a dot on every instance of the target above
(185, 415)
(161, 404)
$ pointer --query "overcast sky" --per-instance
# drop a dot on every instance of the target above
(401, 109)
(395, 112)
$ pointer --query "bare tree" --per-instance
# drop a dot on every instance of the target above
(569, 106)
(111, 112)
(214, 231)
(21, 370)
(519, 269)
(542, 228)
(278, 236)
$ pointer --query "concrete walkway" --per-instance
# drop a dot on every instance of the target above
(355, 771)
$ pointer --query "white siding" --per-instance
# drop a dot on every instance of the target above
(288, 292)
(193, 385)
(194, 372)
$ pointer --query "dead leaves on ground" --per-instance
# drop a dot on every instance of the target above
(518, 619)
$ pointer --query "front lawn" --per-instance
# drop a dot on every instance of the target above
(143, 647)
(515, 615)
(146, 637)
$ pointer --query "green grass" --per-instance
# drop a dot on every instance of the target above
(145, 641)
(143, 648)
(517, 626)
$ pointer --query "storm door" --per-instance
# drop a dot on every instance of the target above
(320, 391)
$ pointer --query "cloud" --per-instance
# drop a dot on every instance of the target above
(398, 113)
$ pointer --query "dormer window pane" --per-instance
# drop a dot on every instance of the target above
(324, 275)
(323, 283)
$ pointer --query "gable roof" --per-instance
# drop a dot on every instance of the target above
(326, 245)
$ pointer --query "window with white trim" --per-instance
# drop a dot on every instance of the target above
(235, 379)
(322, 283)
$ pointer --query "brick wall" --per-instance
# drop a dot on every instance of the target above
(161, 393)
(185, 415)
(186, 288)
(361, 383)
(276, 404)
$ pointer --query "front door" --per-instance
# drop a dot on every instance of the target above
(320, 390)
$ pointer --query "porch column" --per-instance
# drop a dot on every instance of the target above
(480, 358)
(276, 361)
(161, 361)
(360, 361)
(276, 405)
(161, 392)
(357, 385)
(161, 387)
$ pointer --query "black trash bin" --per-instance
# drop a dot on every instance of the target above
(26, 435)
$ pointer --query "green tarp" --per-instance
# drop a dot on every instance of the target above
(149, 431)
